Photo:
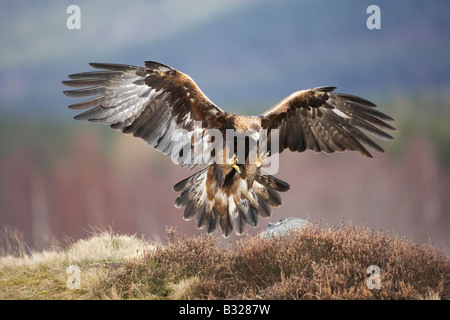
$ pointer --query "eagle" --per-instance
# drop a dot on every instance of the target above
(166, 108)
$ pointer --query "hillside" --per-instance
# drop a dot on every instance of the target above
(315, 263)
(243, 54)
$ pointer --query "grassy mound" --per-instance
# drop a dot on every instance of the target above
(45, 275)
(314, 263)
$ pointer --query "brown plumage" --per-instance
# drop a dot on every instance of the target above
(168, 110)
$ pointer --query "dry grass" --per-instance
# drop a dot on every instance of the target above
(315, 263)
(42, 275)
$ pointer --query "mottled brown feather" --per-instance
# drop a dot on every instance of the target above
(321, 120)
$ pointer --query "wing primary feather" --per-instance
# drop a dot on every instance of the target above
(156, 65)
(87, 115)
(81, 93)
(85, 82)
(353, 144)
(112, 66)
(357, 99)
(87, 104)
(370, 111)
(375, 121)
(373, 130)
(94, 75)
(361, 137)
(325, 89)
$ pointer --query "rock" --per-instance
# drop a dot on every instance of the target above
(283, 226)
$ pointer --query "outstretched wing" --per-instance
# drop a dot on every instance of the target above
(321, 120)
(157, 103)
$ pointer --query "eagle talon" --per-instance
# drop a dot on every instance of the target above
(260, 161)
(233, 163)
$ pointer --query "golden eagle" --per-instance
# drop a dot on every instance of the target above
(165, 107)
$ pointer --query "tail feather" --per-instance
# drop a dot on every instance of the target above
(182, 199)
(268, 194)
(225, 224)
(250, 216)
(191, 180)
(211, 222)
(206, 217)
(274, 198)
(248, 213)
(255, 201)
(190, 210)
(272, 182)
(237, 220)
(265, 210)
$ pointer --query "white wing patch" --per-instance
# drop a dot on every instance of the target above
(340, 113)
(164, 69)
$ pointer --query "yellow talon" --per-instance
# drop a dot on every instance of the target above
(233, 163)
(260, 161)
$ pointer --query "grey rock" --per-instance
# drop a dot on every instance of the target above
(283, 226)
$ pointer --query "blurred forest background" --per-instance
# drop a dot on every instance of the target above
(60, 178)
